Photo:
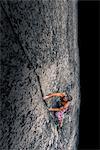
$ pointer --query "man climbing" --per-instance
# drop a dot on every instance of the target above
(63, 105)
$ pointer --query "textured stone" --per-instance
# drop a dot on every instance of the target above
(39, 55)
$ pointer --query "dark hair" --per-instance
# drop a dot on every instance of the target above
(68, 97)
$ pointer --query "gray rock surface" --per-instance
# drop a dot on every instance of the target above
(39, 55)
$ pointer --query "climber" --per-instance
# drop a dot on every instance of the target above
(63, 105)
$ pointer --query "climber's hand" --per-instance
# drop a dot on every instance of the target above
(46, 97)
(50, 109)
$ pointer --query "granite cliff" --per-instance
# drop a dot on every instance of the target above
(39, 55)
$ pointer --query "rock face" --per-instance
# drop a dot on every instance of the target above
(39, 55)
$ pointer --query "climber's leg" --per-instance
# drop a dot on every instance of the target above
(59, 115)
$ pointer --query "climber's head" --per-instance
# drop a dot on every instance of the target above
(67, 98)
(70, 98)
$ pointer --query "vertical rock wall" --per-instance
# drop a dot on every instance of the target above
(39, 55)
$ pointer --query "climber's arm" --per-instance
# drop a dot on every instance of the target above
(54, 94)
(61, 108)
(56, 109)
